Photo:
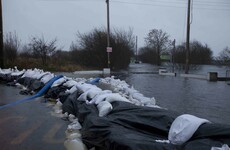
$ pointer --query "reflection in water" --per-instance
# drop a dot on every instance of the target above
(210, 100)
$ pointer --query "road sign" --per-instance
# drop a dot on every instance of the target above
(109, 49)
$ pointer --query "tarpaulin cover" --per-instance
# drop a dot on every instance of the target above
(56, 92)
(31, 84)
(133, 127)
(8, 78)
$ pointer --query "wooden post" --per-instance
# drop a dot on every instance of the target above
(108, 32)
(1, 38)
(187, 40)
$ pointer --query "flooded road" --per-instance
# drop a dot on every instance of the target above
(205, 99)
(210, 100)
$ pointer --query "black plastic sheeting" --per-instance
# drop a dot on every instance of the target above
(57, 92)
(6, 78)
(31, 84)
(132, 127)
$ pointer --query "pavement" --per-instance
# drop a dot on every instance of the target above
(29, 125)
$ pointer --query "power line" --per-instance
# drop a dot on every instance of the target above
(153, 2)
(181, 5)
(222, 4)
(71, 0)
(147, 4)
(182, 1)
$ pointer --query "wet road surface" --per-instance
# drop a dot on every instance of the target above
(29, 125)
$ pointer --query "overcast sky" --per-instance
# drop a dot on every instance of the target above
(63, 18)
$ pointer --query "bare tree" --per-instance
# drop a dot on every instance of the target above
(42, 48)
(91, 51)
(11, 46)
(159, 41)
(25, 51)
(148, 55)
(224, 56)
(199, 53)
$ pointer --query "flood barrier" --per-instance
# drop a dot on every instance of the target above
(38, 94)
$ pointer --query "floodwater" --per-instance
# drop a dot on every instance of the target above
(202, 98)
(205, 99)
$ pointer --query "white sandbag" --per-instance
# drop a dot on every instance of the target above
(47, 77)
(82, 97)
(70, 83)
(85, 87)
(58, 107)
(116, 97)
(71, 90)
(42, 74)
(104, 108)
(153, 106)
(224, 147)
(134, 101)
(89, 94)
(163, 141)
(6, 71)
(74, 126)
(73, 135)
(183, 127)
(143, 100)
(130, 91)
(100, 97)
(58, 82)
(29, 73)
(72, 118)
(93, 92)
(148, 101)
(75, 144)
(19, 73)
(37, 73)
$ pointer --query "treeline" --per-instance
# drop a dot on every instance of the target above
(224, 57)
(158, 43)
(87, 51)
(199, 53)
(90, 50)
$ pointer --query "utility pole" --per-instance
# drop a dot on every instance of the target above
(109, 49)
(1, 38)
(173, 54)
(187, 39)
(136, 48)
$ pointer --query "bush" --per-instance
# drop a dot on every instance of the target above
(91, 51)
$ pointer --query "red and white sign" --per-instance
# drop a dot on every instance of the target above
(109, 49)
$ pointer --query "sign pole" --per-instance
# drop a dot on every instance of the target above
(187, 39)
(108, 34)
(1, 38)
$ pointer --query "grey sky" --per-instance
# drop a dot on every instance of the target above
(63, 18)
